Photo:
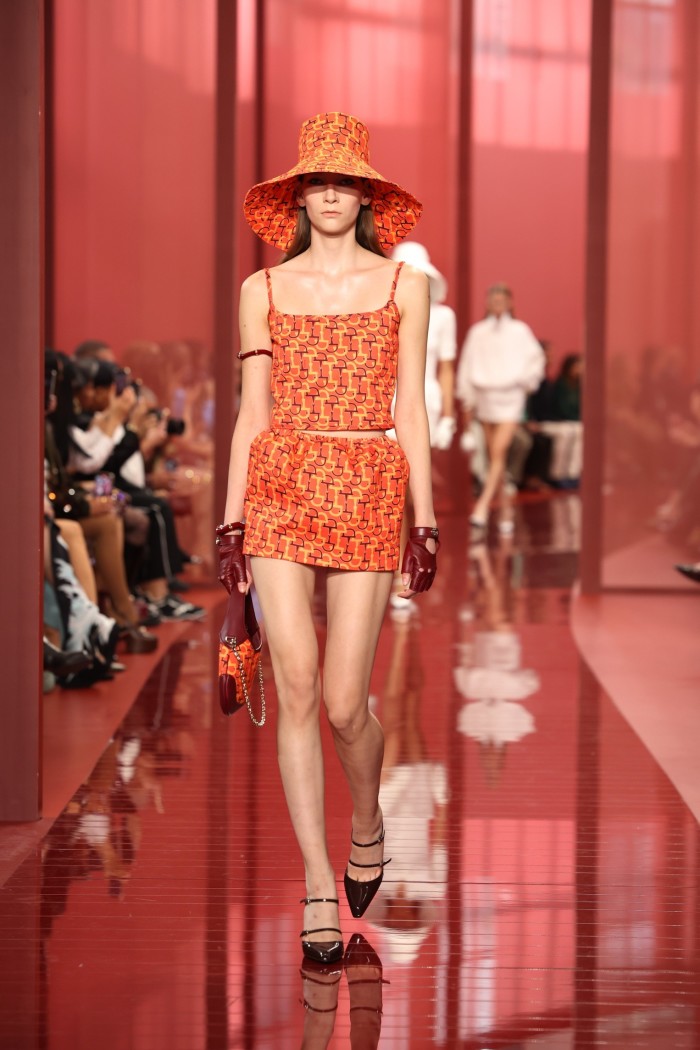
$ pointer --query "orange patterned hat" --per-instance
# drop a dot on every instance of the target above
(339, 144)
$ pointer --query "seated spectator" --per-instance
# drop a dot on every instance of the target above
(678, 514)
(100, 517)
(94, 348)
(164, 561)
(565, 428)
(106, 438)
(538, 410)
(83, 629)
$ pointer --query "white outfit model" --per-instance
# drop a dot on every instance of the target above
(501, 363)
(442, 341)
(442, 346)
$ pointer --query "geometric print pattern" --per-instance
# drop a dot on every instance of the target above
(337, 143)
(324, 500)
(334, 371)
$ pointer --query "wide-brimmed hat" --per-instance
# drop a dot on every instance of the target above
(416, 254)
(337, 143)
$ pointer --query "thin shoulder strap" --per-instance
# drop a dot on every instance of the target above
(396, 281)
(269, 289)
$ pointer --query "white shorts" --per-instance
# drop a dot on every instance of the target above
(502, 405)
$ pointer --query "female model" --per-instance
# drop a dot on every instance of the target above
(501, 362)
(324, 337)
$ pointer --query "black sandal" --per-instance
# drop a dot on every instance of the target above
(361, 894)
(322, 952)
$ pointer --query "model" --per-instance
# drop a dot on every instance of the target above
(327, 337)
(501, 362)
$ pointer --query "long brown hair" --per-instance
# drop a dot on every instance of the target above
(365, 233)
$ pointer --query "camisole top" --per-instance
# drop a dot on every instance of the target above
(334, 371)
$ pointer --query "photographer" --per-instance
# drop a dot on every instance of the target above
(107, 398)
(100, 516)
(146, 431)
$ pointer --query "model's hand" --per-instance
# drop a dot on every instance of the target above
(419, 560)
(444, 432)
(467, 442)
(232, 567)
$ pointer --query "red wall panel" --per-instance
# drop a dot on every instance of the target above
(529, 161)
(133, 170)
(652, 504)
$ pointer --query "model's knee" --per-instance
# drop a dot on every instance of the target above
(298, 692)
(347, 715)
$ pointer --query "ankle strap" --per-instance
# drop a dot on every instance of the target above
(320, 900)
(366, 845)
(378, 864)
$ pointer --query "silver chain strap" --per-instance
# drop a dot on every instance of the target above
(239, 658)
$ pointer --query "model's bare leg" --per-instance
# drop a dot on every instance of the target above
(356, 604)
(285, 590)
(498, 439)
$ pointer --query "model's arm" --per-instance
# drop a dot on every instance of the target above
(410, 417)
(446, 364)
(254, 411)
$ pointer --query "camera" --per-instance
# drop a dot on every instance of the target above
(123, 379)
(174, 427)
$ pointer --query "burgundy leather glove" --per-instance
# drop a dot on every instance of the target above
(231, 560)
(418, 561)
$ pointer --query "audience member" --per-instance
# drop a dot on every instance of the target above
(100, 516)
(565, 427)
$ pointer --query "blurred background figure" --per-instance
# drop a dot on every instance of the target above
(490, 675)
(442, 347)
(564, 426)
(501, 362)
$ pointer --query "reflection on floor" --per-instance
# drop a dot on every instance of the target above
(544, 884)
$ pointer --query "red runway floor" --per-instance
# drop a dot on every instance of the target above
(543, 891)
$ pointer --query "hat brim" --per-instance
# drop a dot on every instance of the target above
(271, 207)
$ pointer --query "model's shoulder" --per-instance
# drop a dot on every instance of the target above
(481, 325)
(254, 284)
(521, 327)
(413, 280)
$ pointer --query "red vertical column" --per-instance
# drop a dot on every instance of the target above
(464, 168)
(21, 417)
(595, 301)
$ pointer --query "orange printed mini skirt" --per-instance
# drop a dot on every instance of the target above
(318, 499)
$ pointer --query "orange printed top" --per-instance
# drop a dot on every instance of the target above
(334, 371)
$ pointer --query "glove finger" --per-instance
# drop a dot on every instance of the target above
(238, 569)
(418, 581)
(409, 561)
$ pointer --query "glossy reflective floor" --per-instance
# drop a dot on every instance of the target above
(544, 885)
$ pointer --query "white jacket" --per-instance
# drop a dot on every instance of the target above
(498, 353)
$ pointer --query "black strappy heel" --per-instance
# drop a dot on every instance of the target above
(322, 952)
(361, 894)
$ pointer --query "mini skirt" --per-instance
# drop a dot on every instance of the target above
(335, 502)
(500, 404)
